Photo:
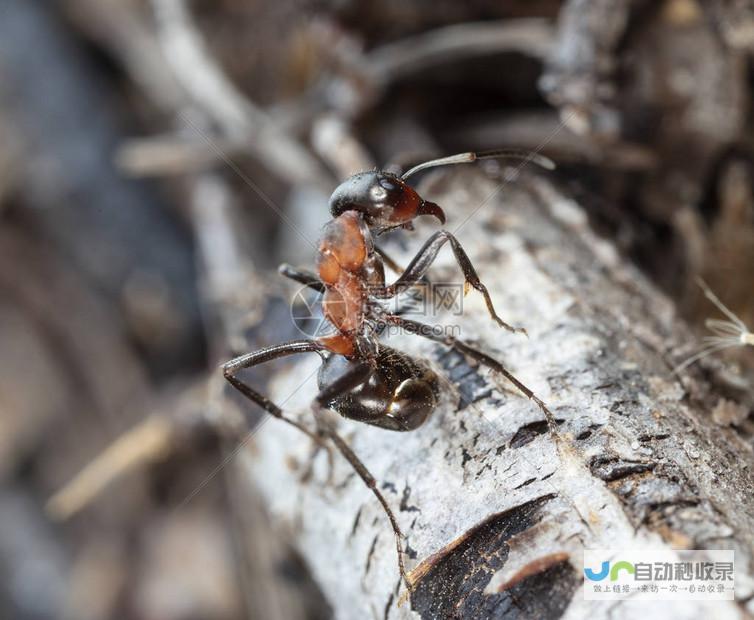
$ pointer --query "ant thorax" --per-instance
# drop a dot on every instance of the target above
(348, 266)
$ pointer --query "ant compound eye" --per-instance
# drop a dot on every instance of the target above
(388, 184)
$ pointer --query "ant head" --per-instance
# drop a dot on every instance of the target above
(385, 200)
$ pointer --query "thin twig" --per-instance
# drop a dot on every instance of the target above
(410, 55)
(146, 443)
(232, 111)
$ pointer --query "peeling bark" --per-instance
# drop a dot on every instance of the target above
(496, 514)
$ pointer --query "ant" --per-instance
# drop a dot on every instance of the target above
(360, 378)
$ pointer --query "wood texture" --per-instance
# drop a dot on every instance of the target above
(482, 484)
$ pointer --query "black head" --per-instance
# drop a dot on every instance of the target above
(384, 199)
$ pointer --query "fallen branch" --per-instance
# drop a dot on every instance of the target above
(496, 517)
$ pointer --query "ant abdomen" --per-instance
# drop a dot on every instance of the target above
(397, 393)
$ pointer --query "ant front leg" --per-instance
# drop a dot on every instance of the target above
(426, 331)
(394, 264)
(416, 296)
(388, 260)
(265, 355)
(424, 259)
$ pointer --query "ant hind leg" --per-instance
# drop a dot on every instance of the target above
(371, 484)
(427, 332)
(265, 355)
(357, 374)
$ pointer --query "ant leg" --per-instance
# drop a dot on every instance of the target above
(348, 380)
(265, 355)
(302, 276)
(342, 384)
(426, 331)
(387, 260)
(394, 264)
(155, 437)
(371, 483)
(308, 471)
(416, 295)
(426, 256)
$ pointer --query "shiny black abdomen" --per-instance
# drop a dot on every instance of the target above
(399, 394)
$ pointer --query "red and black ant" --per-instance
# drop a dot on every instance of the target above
(360, 378)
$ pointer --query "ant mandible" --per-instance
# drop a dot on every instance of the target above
(359, 378)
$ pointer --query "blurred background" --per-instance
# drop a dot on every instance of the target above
(155, 161)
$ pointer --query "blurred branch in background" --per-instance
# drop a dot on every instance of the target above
(117, 232)
(238, 118)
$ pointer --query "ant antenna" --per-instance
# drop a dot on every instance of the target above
(466, 158)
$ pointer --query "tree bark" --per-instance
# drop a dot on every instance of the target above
(483, 484)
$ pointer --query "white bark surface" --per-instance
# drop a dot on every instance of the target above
(644, 464)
